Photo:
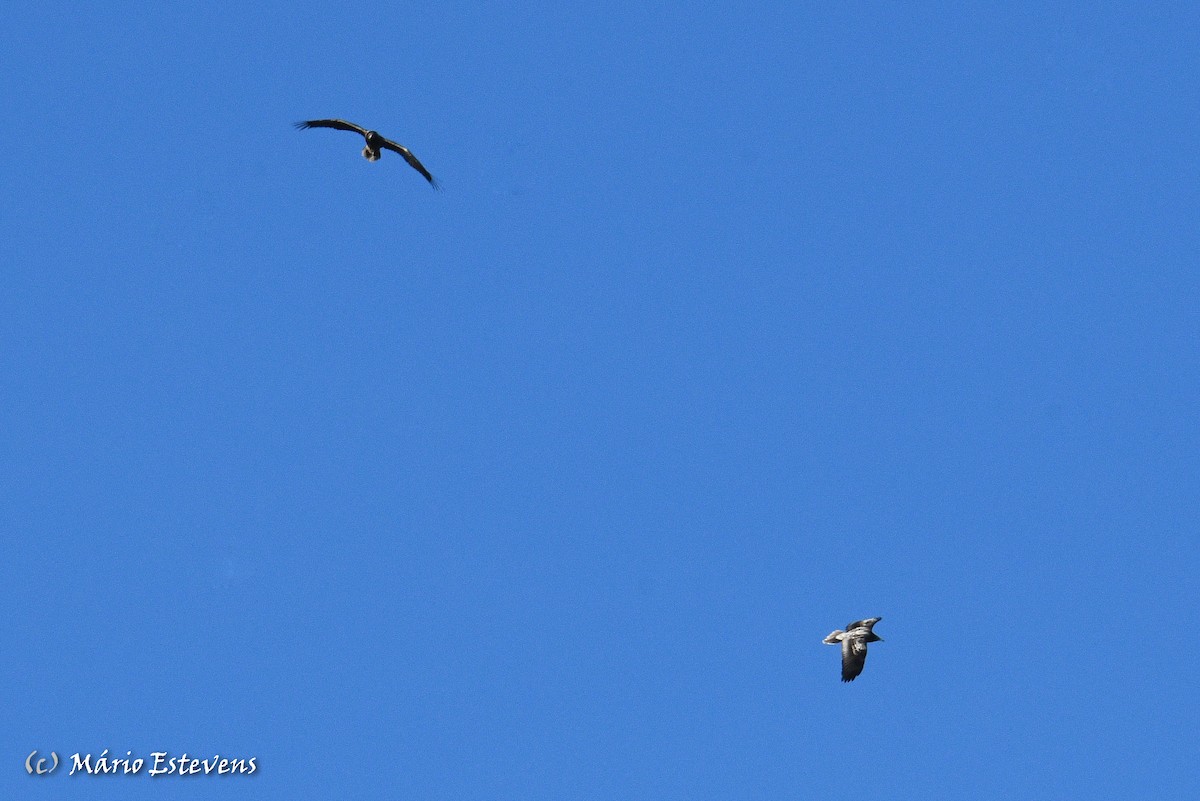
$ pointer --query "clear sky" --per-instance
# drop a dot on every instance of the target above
(733, 323)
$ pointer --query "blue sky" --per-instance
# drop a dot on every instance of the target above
(731, 325)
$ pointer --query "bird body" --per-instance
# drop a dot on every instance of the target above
(375, 144)
(854, 641)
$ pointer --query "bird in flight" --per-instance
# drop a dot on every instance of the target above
(854, 645)
(375, 143)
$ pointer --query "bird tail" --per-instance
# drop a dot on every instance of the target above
(369, 154)
(834, 637)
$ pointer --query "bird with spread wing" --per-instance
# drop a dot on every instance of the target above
(854, 645)
(375, 143)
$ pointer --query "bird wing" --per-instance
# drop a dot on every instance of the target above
(868, 623)
(341, 125)
(411, 159)
(854, 657)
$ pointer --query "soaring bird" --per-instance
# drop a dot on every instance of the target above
(854, 645)
(375, 143)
